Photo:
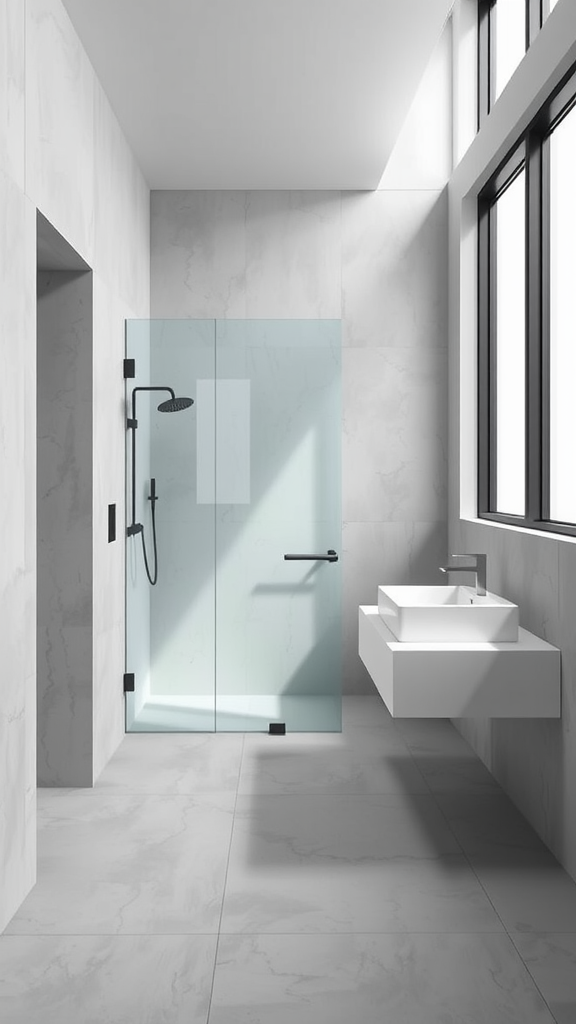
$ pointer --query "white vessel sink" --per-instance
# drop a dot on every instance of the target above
(437, 614)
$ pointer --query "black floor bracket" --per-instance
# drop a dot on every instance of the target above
(277, 729)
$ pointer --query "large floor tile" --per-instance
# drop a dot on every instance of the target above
(349, 863)
(360, 760)
(446, 761)
(427, 737)
(120, 979)
(173, 763)
(352, 828)
(529, 889)
(373, 979)
(139, 864)
(367, 710)
(551, 960)
(486, 824)
(455, 774)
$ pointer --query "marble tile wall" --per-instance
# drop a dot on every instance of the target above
(12, 94)
(108, 427)
(61, 151)
(60, 144)
(121, 211)
(18, 562)
(376, 260)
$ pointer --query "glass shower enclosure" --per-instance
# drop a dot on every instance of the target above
(236, 499)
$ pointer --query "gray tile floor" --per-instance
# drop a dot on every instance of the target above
(379, 876)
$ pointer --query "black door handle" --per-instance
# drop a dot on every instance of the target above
(330, 556)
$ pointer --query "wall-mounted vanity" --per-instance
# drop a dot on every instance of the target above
(449, 652)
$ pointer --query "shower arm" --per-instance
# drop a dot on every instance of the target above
(132, 424)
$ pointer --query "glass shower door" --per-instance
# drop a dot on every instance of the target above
(278, 493)
(231, 635)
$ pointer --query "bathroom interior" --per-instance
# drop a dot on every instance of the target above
(288, 578)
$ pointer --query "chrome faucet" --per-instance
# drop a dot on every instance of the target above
(479, 569)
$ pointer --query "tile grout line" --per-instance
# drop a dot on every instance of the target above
(240, 935)
(530, 975)
(219, 932)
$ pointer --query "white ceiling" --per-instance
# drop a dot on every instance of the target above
(260, 94)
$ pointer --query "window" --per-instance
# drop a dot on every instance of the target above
(563, 319)
(527, 327)
(509, 28)
(509, 348)
(505, 30)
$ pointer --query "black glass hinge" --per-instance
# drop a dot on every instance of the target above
(129, 368)
(128, 682)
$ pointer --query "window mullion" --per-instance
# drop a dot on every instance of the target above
(545, 324)
(486, 63)
(484, 429)
(534, 329)
(534, 19)
(492, 357)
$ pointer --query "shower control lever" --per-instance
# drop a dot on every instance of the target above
(330, 556)
(152, 496)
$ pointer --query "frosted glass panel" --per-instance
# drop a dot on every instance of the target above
(563, 320)
(233, 442)
(223, 413)
(510, 349)
(206, 441)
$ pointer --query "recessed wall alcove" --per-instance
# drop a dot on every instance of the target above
(64, 511)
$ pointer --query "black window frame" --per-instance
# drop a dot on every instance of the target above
(530, 153)
(536, 13)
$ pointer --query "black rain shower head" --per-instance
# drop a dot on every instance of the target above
(175, 404)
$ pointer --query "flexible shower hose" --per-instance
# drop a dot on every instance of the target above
(152, 581)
